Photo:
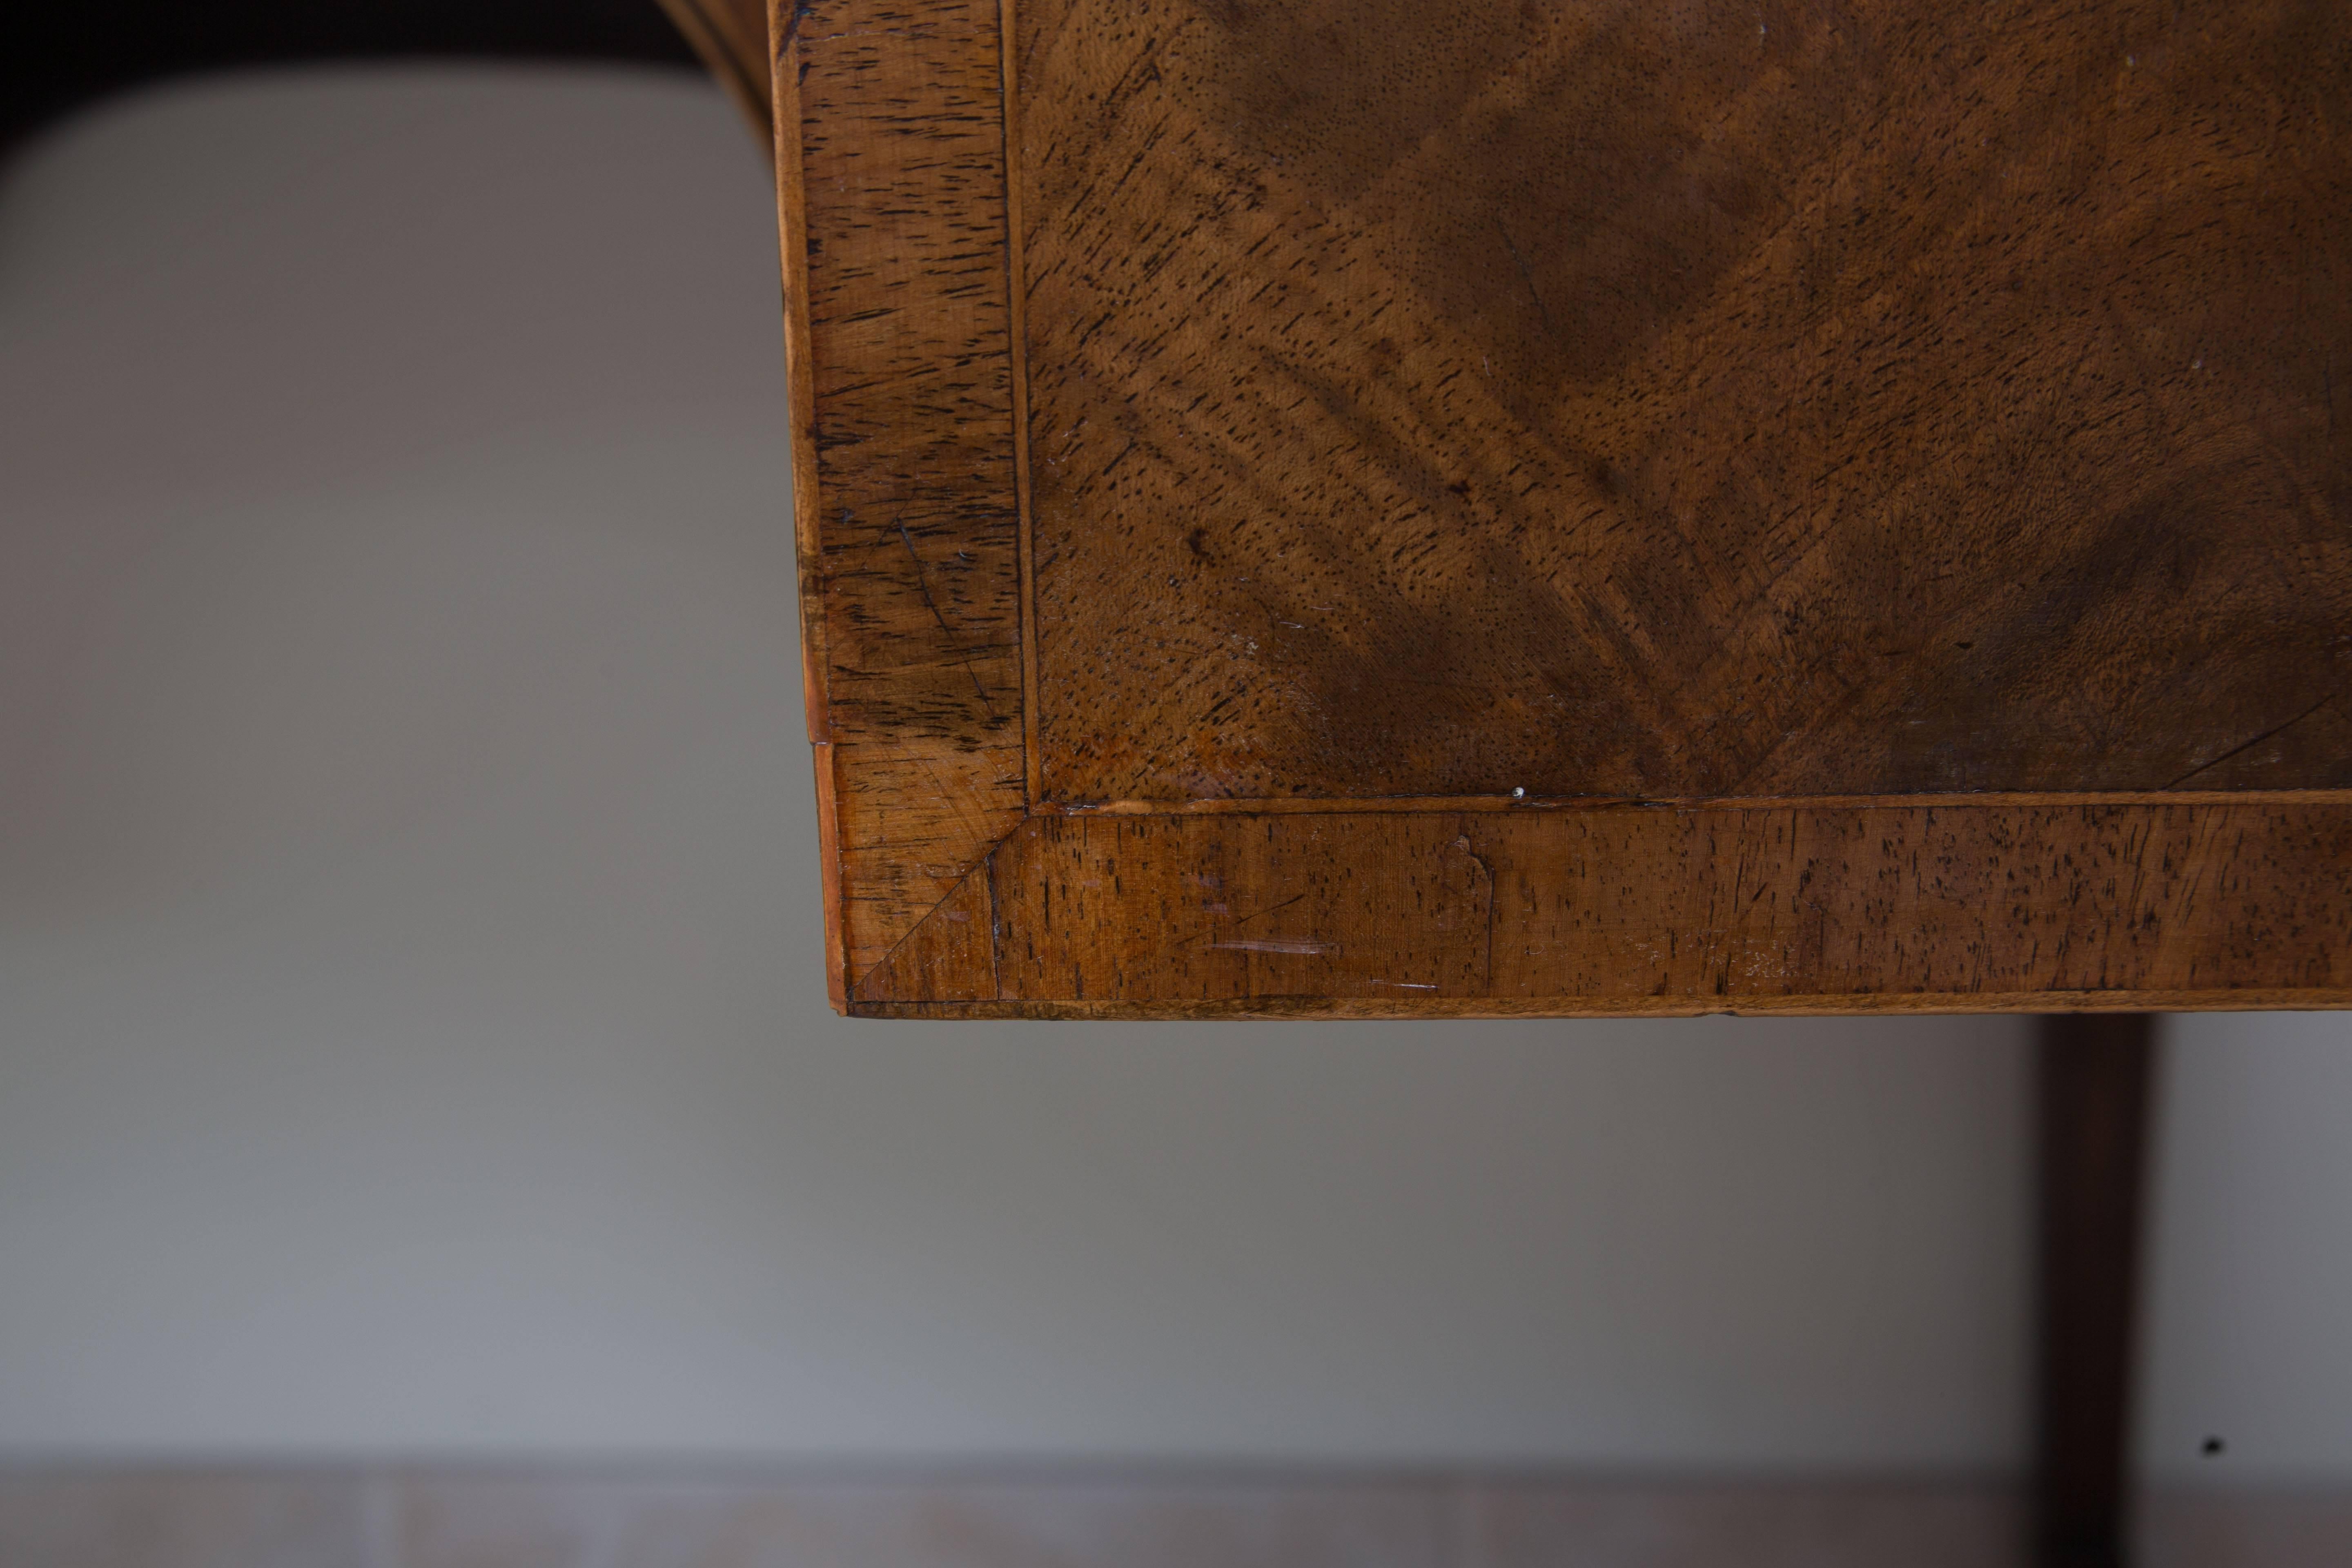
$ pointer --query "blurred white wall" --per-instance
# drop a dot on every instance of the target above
(412, 1037)
(2250, 1277)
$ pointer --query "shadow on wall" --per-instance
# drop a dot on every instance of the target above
(412, 1031)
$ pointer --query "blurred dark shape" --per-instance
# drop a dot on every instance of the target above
(2094, 1072)
(57, 56)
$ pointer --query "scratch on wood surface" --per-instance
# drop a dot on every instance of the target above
(2246, 746)
(923, 586)
(1527, 274)
(1306, 945)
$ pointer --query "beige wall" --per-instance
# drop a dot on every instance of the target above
(411, 1032)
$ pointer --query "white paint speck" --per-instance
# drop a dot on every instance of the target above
(1518, 792)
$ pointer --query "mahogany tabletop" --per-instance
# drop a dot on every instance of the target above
(1573, 506)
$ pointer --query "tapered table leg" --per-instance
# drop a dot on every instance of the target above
(2094, 1071)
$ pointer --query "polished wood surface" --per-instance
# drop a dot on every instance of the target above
(899, 348)
(1688, 399)
(1582, 506)
(1641, 910)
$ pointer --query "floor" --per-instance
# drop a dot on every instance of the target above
(649, 1516)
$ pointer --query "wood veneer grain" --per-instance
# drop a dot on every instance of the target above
(1578, 507)
(1684, 399)
(895, 232)
(1653, 910)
